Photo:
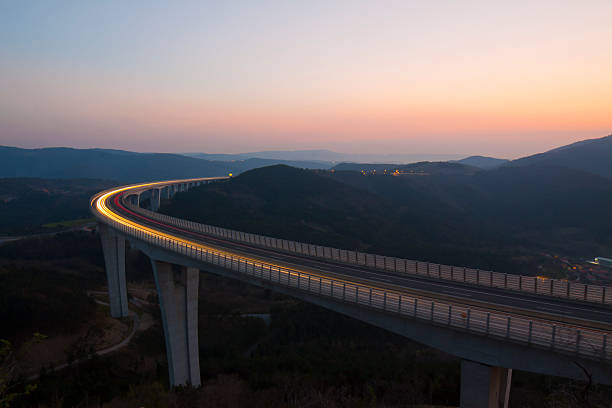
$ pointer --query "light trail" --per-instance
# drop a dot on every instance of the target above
(104, 209)
(100, 202)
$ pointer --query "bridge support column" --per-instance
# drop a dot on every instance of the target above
(155, 199)
(178, 300)
(483, 386)
(113, 247)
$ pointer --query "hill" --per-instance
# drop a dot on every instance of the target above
(328, 156)
(592, 155)
(244, 162)
(482, 162)
(126, 166)
(421, 168)
(28, 203)
(321, 157)
(109, 164)
(282, 199)
(500, 219)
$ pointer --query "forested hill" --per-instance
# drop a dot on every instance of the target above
(423, 168)
(281, 199)
(489, 219)
(26, 204)
(592, 155)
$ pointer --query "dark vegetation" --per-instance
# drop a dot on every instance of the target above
(499, 219)
(307, 356)
(43, 284)
(592, 155)
(28, 203)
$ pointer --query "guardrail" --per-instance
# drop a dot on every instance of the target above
(529, 284)
(586, 343)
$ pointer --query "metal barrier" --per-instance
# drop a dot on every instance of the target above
(530, 284)
(585, 343)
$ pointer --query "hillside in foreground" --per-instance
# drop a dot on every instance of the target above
(491, 219)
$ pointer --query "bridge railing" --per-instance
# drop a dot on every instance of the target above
(585, 343)
(530, 284)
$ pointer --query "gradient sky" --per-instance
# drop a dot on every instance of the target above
(476, 77)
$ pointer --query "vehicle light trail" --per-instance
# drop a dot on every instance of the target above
(101, 204)
(438, 312)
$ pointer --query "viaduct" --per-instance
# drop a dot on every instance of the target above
(494, 322)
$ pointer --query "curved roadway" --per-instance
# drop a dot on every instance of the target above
(537, 307)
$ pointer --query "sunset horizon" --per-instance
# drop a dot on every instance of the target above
(477, 78)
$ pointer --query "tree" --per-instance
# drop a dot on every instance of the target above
(9, 371)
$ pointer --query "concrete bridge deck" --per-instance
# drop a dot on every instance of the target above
(563, 332)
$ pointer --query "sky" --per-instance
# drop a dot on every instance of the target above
(472, 77)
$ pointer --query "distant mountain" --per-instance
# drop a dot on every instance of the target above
(327, 156)
(108, 164)
(368, 167)
(420, 168)
(316, 156)
(592, 155)
(483, 162)
(245, 163)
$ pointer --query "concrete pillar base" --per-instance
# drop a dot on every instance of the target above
(113, 247)
(483, 386)
(178, 299)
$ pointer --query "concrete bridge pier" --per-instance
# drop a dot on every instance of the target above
(177, 288)
(134, 200)
(484, 386)
(113, 246)
(155, 199)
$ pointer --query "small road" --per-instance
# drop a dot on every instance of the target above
(6, 239)
(123, 343)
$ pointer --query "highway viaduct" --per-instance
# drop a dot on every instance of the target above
(494, 322)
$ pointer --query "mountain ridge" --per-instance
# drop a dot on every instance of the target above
(591, 155)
